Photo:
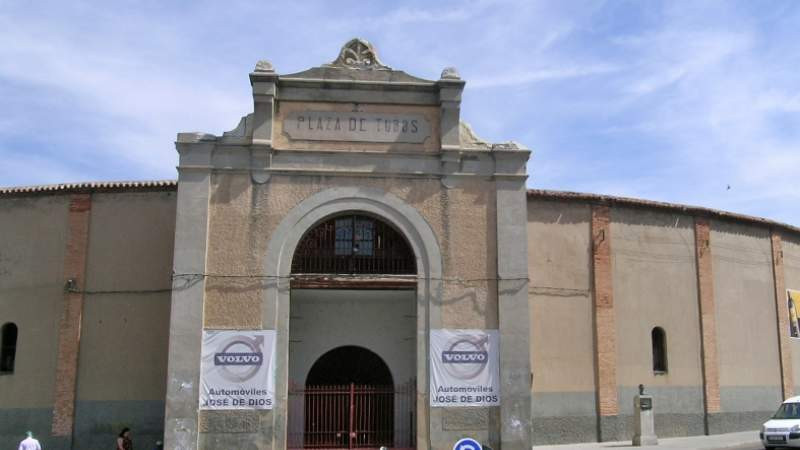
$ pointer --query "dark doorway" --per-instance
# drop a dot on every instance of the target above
(350, 364)
(349, 401)
(8, 347)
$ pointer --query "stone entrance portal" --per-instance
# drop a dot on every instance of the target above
(351, 207)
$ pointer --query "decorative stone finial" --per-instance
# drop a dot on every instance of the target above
(450, 73)
(264, 66)
(358, 54)
(508, 146)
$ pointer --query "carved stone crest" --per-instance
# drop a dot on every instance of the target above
(358, 54)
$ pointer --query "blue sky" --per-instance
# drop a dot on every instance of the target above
(694, 102)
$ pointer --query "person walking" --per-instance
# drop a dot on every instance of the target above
(124, 441)
(29, 443)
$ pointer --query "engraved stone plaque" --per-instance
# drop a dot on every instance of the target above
(357, 126)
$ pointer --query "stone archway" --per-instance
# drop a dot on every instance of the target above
(427, 285)
(352, 289)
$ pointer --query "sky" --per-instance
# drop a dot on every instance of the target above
(691, 102)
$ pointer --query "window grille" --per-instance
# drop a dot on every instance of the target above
(353, 244)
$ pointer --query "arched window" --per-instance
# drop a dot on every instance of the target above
(8, 347)
(659, 338)
(353, 244)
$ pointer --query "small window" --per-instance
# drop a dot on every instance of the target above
(344, 237)
(8, 347)
(354, 236)
(659, 338)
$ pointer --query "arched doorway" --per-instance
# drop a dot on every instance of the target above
(352, 338)
(349, 401)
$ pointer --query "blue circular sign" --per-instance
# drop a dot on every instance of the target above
(467, 444)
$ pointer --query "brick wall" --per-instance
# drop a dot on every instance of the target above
(782, 311)
(708, 328)
(604, 315)
(69, 327)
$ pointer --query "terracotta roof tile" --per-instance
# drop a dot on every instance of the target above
(92, 186)
(650, 204)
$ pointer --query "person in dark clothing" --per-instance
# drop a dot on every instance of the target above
(124, 441)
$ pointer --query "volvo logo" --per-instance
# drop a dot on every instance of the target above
(240, 358)
(466, 356)
(237, 359)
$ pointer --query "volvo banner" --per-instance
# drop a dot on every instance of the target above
(465, 368)
(793, 299)
(237, 370)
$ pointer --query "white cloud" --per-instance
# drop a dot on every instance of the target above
(133, 103)
(716, 105)
(537, 75)
(670, 101)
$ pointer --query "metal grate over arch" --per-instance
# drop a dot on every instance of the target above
(352, 244)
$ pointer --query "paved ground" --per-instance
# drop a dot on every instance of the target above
(747, 447)
(746, 440)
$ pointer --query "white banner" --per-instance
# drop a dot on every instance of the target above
(465, 368)
(237, 370)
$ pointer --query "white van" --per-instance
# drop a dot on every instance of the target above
(783, 429)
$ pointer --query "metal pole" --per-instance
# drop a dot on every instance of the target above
(352, 408)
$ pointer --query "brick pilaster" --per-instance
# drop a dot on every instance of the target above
(69, 328)
(708, 318)
(782, 311)
(604, 315)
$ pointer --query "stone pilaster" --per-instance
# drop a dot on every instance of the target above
(189, 265)
(514, 318)
(708, 318)
(262, 81)
(782, 311)
(604, 323)
(450, 89)
(69, 327)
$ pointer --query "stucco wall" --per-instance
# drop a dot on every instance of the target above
(33, 234)
(791, 266)
(655, 285)
(383, 322)
(749, 367)
(562, 346)
(122, 366)
(125, 325)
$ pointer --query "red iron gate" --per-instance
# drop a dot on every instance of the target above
(352, 416)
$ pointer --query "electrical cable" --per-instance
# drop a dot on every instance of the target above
(192, 278)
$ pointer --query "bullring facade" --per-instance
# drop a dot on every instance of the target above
(340, 269)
